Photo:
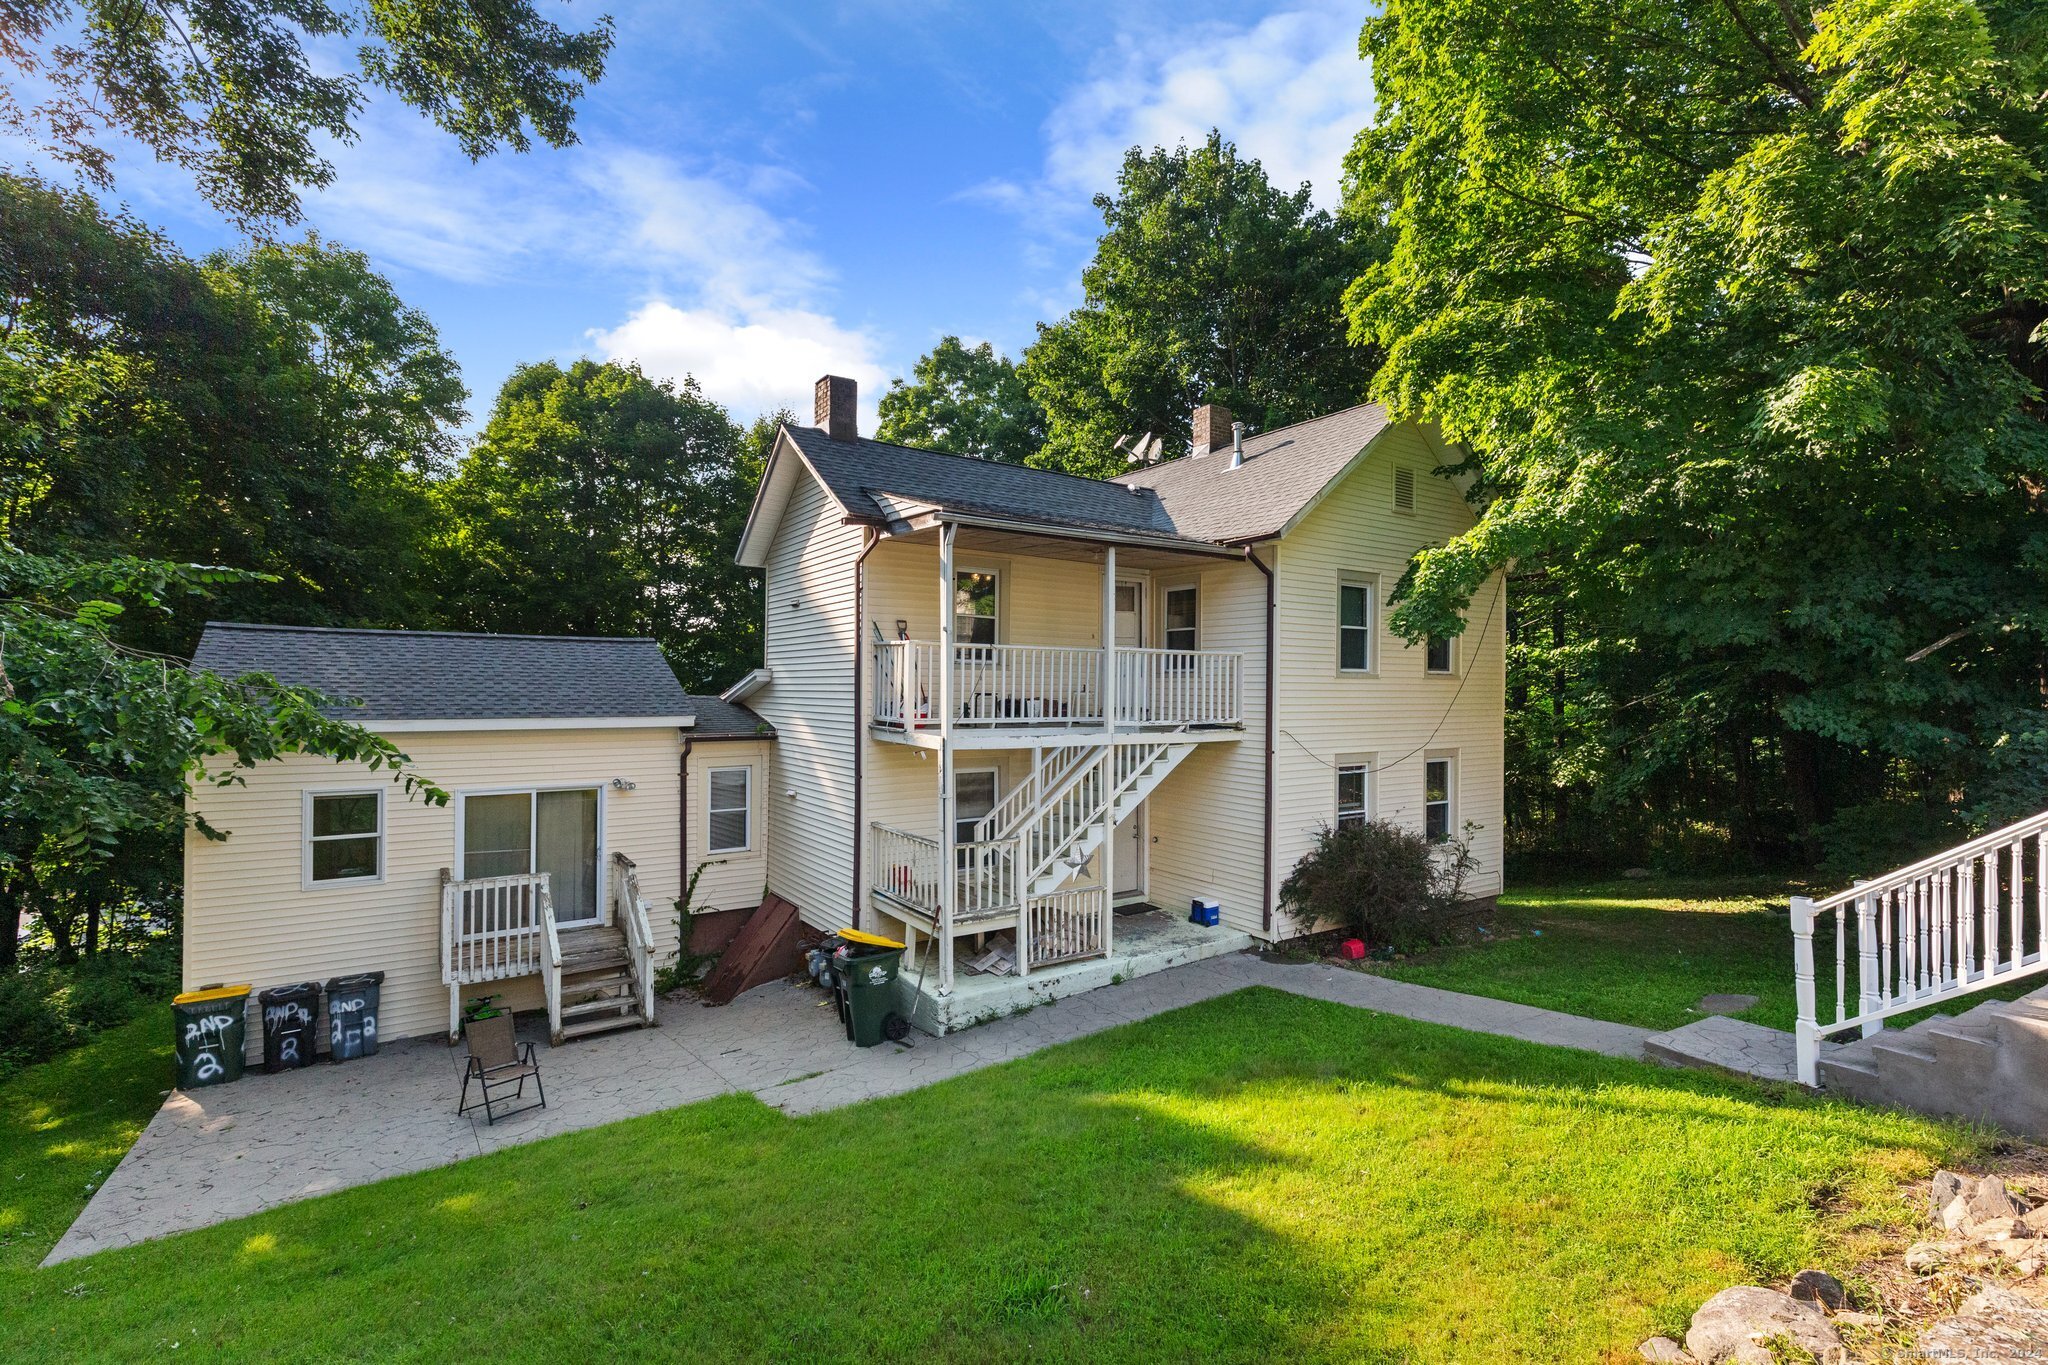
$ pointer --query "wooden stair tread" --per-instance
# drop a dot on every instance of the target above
(601, 1024)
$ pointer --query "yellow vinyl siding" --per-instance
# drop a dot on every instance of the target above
(808, 645)
(1390, 712)
(1206, 823)
(731, 881)
(249, 917)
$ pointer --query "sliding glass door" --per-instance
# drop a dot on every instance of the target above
(507, 833)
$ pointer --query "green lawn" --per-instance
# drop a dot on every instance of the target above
(1255, 1177)
(1643, 952)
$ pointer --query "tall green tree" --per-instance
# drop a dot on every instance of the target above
(1739, 308)
(599, 501)
(229, 91)
(278, 410)
(1209, 284)
(964, 399)
(98, 740)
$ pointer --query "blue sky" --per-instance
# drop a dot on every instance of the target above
(766, 192)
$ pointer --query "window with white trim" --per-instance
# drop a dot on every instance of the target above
(1437, 655)
(975, 607)
(1183, 615)
(1439, 798)
(1354, 626)
(974, 796)
(1354, 793)
(728, 810)
(344, 836)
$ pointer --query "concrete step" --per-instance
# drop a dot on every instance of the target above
(1851, 1073)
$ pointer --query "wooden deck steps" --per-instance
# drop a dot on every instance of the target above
(599, 991)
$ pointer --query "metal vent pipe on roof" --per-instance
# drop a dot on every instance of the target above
(1236, 444)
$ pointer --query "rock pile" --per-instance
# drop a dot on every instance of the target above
(1985, 1230)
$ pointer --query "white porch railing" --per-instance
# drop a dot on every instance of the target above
(1179, 687)
(1953, 924)
(1040, 686)
(1070, 923)
(906, 865)
(493, 929)
(629, 912)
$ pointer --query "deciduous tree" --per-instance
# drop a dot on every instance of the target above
(967, 400)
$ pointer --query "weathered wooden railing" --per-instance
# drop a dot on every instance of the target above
(1179, 687)
(493, 929)
(1071, 923)
(1959, 922)
(905, 868)
(1052, 686)
(629, 912)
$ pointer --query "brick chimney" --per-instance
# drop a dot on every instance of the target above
(834, 409)
(1212, 429)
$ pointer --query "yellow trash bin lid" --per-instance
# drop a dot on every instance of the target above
(210, 993)
(872, 940)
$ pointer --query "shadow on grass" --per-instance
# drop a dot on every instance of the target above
(1254, 1176)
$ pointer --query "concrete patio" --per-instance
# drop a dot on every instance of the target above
(232, 1150)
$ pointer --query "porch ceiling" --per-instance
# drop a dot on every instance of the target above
(1016, 544)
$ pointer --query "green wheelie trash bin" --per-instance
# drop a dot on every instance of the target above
(866, 965)
(211, 1026)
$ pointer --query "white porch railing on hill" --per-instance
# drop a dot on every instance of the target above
(1953, 924)
(494, 929)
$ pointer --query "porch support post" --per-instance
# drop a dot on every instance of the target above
(1806, 1031)
(1109, 708)
(949, 877)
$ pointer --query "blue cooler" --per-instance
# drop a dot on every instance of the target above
(1205, 911)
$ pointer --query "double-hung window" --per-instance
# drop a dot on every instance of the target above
(1354, 627)
(1354, 793)
(1182, 618)
(344, 836)
(728, 813)
(975, 606)
(1439, 776)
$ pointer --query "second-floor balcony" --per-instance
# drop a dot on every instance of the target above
(1034, 687)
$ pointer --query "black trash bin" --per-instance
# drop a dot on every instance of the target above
(352, 1015)
(213, 1025)
(289, 1015)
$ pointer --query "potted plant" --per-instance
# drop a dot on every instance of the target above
(488, 1028)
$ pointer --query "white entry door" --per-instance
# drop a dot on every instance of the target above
(1130, 615)
(1130, 857)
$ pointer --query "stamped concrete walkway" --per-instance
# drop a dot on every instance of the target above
(232, 1150)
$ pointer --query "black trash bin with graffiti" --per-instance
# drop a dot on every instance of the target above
(289, 1016)
(213, 1024)
(352, 1015)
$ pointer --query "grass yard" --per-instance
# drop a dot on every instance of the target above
(1643, 952)
(1258, 1176)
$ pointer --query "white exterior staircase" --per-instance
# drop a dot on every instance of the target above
(1057, 817)
(1959, 923)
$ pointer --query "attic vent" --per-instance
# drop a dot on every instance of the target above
(1404, 490)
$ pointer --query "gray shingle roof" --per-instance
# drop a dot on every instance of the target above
(447, 675)
(1200, 499)
(1283, 471)
(856, 471)
(718, 718)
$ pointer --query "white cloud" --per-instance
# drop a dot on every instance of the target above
(1289, 90)
(752, 359)
(726, 289)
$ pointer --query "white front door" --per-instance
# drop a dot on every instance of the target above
(1130, 857)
